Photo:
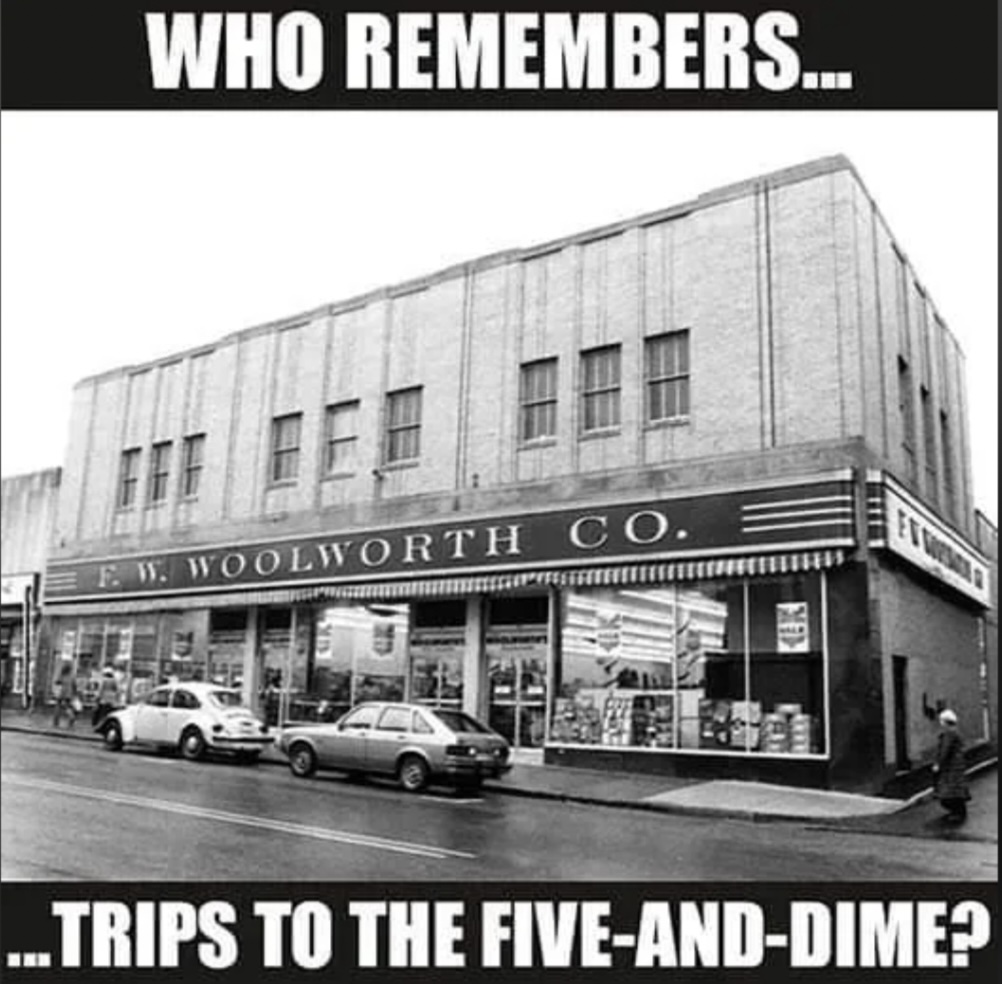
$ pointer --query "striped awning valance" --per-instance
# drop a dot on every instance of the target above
(440, 587)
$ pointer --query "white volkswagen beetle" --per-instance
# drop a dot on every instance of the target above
(192, 717)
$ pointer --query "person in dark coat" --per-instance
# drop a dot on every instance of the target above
(951, 782)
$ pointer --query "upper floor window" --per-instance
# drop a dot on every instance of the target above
(906, 406)
(538, 400)
(600, 375)
(192, 462)
(159, 471)
(341, 437)
(949, 473)
(667, 376)
(403, 425)
(128, 485)
(929, 445)
(285, 437)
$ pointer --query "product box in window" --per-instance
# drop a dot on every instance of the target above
(803, 734)
(714, 724)
(746, 721)
(775, 735)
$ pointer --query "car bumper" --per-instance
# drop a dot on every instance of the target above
(476, 769)
(241, 743)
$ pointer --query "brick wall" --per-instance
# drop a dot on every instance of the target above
(783, 282)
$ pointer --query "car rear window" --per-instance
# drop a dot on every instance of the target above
(460, 722)
(225, 698)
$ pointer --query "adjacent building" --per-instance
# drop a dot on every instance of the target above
(689, 493)
(27, 516)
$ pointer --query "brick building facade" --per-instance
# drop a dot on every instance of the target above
(631, 495)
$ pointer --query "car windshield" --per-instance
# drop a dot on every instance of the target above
(226, 698)
(459, 722)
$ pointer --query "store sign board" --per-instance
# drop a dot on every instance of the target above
(756, 520)
(792, 632)
(915, 534)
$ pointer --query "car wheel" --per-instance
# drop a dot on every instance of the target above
(113, 737)
(413, 773)
(302, 760)
(192, 744)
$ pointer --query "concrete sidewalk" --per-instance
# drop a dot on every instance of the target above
(722, 798)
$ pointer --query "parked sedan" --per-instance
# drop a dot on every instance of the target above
(192, 717)
(412, 743)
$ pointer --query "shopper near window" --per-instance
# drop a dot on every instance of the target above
(107, 697)
(67, 697)
(951, 782)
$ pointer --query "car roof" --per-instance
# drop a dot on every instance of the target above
(199, 686)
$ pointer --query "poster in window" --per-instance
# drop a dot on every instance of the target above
(124, 643)
(69, 643)
(382, 638)
(792, 634)
(609, 632)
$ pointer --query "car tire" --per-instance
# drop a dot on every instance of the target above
(413, 773)
(302, 760)
(193, 744)
(113, 736)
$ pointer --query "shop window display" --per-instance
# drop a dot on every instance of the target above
(723, 666)
(227, 644)
(359, 654)
(437, 644)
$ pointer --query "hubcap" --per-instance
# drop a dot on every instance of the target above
(301, 760)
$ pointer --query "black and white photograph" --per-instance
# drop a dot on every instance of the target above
(499, 497)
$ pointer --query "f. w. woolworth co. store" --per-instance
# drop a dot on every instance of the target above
(687, 494)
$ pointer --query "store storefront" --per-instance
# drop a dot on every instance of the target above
(677, 624)
(18, 630)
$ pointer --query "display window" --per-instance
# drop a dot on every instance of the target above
(725, 666)
(437, 644)
(359, 653)
(227, 645)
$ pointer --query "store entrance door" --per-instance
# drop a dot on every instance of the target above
(900, 673)
(518, 696)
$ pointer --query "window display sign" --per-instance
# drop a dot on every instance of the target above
(382, 638)
(609, 632)
(792, 634)
(124, 643)
(69, 644)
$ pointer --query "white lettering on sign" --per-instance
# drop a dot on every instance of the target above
(914, 533)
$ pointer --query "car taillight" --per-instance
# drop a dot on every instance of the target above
(460, 750)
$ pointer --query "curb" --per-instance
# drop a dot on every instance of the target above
(753, 816)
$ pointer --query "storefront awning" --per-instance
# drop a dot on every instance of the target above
(417, 588)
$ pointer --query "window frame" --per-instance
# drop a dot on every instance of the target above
(593, 389)
(191, 470)
(394, 455)
(286, 452)
(674, 379)
(130, 463)
(158, 482)
(529, 404)
(332, 441)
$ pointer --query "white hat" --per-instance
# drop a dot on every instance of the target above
(947, 717)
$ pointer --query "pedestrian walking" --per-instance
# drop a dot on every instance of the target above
(951, 790)
(68, 701)
(107, 697)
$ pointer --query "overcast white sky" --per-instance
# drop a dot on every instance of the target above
(127, 236)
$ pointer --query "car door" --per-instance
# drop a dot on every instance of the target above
(345, 746)
(390, 734)
(183, 706)
(151, 716)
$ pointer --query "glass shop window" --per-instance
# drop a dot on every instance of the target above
(437, 644)
(786, 684)
(227, 642)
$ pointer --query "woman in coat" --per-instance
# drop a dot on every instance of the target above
(951, 782)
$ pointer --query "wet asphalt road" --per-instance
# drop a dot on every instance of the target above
(71, 810)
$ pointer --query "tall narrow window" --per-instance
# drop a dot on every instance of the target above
(929, 445)
(600, 375)
(403, 425)
(949, 474)
(159, 471)
(285, 437)
(192, 461)
(128, 484)
(667, 376)
(538, 400)
(341, 437)
(906, 405)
